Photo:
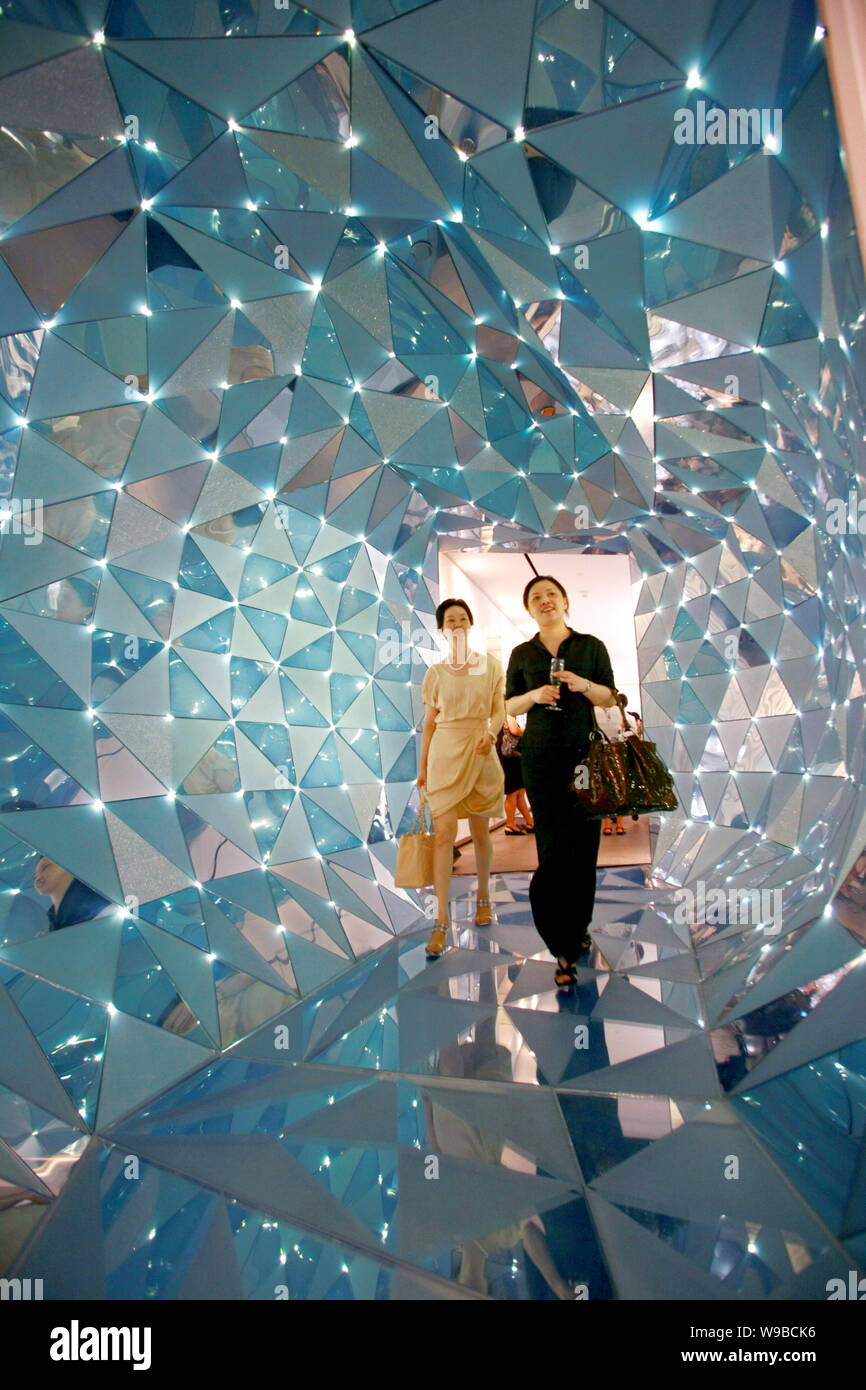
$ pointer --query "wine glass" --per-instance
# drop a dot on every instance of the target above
(557, 666)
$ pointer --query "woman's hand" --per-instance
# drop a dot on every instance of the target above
(576, 684)
(485, 743)
(421, 779)
(546, 694)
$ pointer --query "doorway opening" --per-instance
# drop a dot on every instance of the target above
(603, 592)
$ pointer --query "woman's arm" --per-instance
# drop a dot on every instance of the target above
(426, 735)
(600, 691)
(521, 700)
(497, 703)
(542, 695)
(601, 695)
(496, 717)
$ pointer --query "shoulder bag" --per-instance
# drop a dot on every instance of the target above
(623, 778)
(415, 852)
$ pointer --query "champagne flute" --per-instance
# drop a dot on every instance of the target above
(557, 666)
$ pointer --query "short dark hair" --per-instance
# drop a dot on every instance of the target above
(534, 580)
(452, 603)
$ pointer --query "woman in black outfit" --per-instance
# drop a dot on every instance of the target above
(562, 890)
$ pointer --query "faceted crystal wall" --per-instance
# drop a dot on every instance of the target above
(289, 296)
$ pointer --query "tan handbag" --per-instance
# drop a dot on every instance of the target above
(415, 852)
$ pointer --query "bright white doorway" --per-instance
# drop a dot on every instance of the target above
(602, 598)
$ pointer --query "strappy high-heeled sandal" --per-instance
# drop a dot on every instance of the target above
(483, 912)
(438, 943)
(566, 973)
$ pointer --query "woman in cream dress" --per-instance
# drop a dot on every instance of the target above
(459, 769)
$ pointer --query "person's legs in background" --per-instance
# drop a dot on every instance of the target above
(511, 804)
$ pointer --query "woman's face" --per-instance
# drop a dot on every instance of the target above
(455, 619)
(455, 633)
(545, 603)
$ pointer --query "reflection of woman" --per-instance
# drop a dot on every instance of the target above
(459, 768)
(562, 891)
(71, 900)
(451, 1134)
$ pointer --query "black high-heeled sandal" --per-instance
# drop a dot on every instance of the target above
(565, 976)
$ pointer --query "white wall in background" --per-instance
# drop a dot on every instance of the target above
(601, 597)
(599, 588)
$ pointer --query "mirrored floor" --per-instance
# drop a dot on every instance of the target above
(455, 1129)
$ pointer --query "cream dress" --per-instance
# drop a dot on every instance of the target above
(458, 778)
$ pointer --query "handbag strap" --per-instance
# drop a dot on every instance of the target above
(420, 825)
(623, 720)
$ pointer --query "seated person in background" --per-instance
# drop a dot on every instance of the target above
(71, 900)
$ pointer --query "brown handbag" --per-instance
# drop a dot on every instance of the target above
(624, 778)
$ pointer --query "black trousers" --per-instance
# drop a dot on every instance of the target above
(562, 889)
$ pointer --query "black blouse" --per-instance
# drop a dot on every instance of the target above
(529, 667)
